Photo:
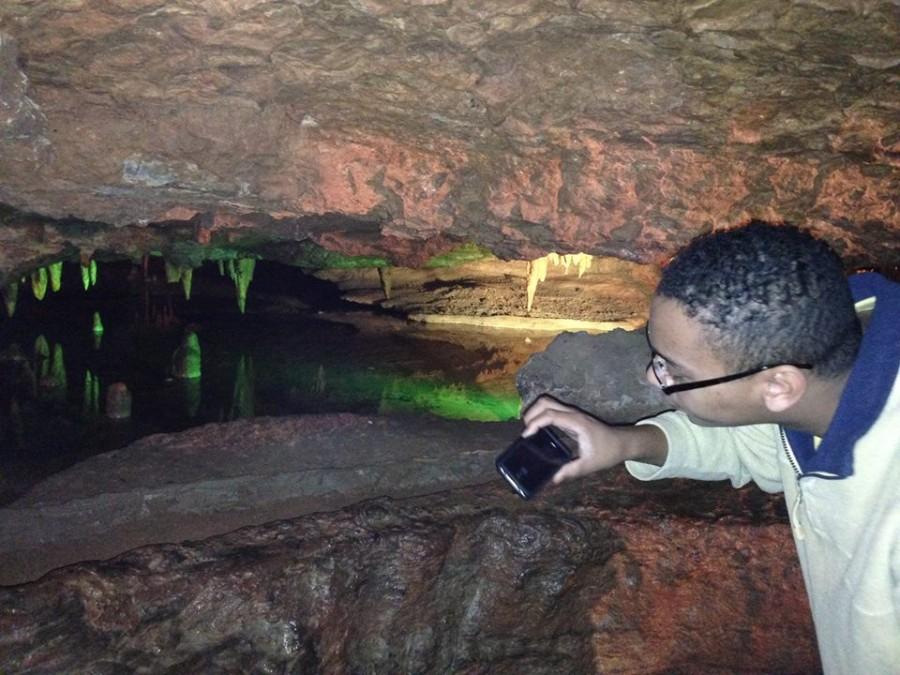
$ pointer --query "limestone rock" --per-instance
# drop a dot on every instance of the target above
(601, 374)
(605, 579)
(401, 129)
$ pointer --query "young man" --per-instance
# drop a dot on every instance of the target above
(755, 338)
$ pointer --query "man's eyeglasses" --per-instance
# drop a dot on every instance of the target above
(660, 371)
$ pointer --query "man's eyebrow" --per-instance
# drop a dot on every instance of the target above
(669, 362)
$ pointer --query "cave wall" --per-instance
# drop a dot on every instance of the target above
(400, 129)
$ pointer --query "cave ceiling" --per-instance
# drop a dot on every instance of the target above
(401, 129)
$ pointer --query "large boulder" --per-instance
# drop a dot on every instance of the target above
(604, 576)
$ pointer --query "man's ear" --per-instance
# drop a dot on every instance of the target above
(783, 387)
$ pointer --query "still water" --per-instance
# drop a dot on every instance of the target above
(56, 367)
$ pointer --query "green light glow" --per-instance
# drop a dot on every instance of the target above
(313, 256)
(39, 279)
(91, 400)
(10, 298)
(55, 276)
(97, 326)
(395, 393)
(89, 274)
(187, 362)
(58, 368)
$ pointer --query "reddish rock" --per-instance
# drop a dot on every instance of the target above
(609, 577)
(391, 128)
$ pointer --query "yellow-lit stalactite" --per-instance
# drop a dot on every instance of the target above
(537, 272)
(537, 269)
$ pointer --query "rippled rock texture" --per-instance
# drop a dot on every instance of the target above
(602, 577)
(392, 128)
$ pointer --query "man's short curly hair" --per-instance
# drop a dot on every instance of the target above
(767, 294)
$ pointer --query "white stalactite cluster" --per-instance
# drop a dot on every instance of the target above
(537, 269)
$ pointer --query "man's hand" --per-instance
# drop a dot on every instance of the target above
(600, 446)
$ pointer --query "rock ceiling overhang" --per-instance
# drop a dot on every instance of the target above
(379, 127)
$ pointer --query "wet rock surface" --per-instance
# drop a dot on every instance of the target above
(213, 479)
(603, 576)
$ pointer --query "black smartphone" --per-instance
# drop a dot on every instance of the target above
(529, 463)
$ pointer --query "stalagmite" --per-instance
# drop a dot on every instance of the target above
(55, 276)
(384, 276)
(118, 401)
(39, 279)
(10, 298)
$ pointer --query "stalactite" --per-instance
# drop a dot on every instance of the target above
(55, 276)
(97, 325)
(582, 261)
(176, 273)
(39, 280)
(89, 272)
(10, 298)
(537, 272)
(537, 269)
(241, 272)
(384, 276)
(221, 265)
(173, 273)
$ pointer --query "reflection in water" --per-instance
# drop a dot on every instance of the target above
(243, 392)
(91, 397)
(183, 369)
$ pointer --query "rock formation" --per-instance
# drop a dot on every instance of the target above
(401, 130)
(614, 578)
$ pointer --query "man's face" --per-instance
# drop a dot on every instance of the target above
(685, 357)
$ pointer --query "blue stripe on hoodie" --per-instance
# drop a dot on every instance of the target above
(867, 389)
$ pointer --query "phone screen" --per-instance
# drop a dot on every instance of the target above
(529, 463)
